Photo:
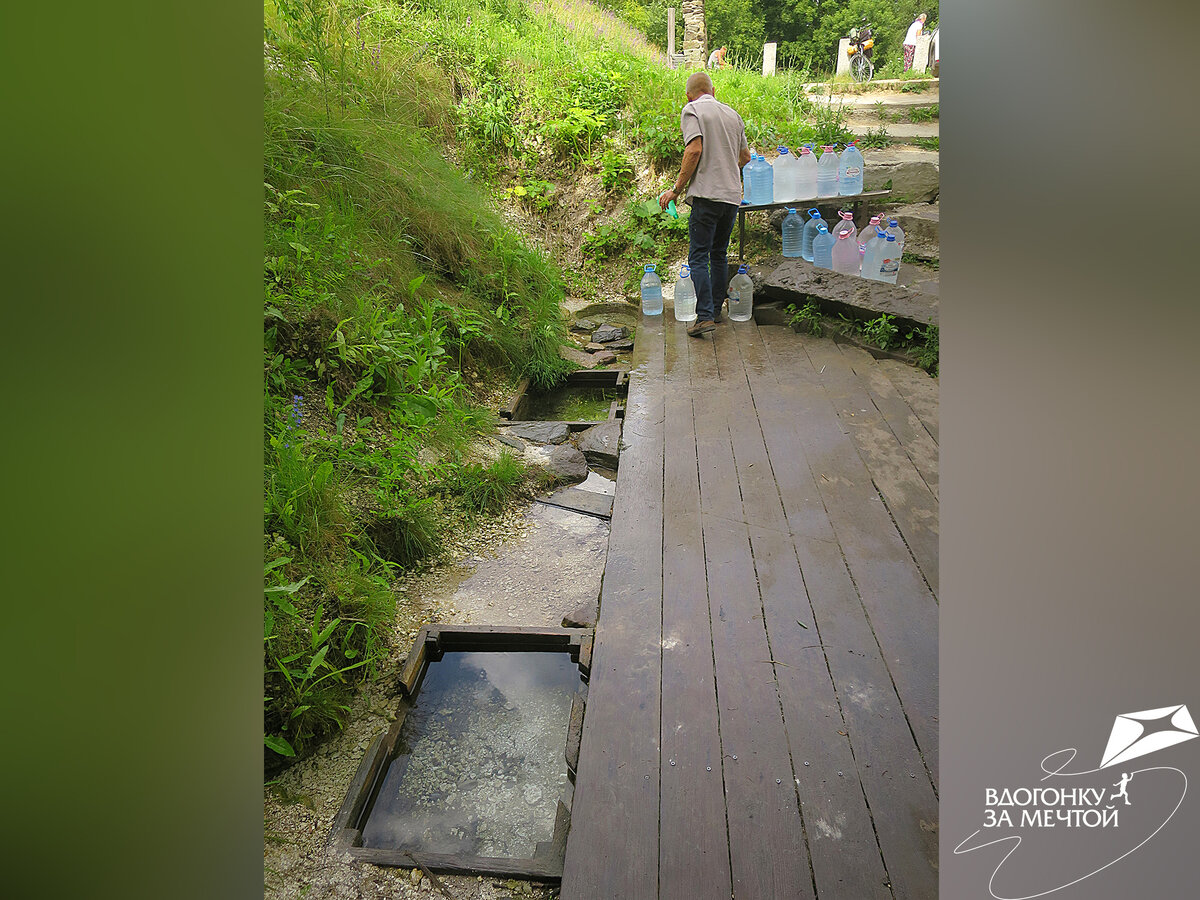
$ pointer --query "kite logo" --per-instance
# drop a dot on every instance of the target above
(1136, 734)
(1082, 822)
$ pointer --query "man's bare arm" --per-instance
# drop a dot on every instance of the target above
(691, 159)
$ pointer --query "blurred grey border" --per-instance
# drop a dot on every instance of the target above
(1069, 411)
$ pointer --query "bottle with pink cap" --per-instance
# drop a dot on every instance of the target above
(845, 223)
(845, 253)
(806, 175)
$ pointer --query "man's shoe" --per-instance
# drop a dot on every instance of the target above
(700, 326)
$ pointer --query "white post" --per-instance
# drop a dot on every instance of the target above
(769, 59)
(671, 36)
(841, 65)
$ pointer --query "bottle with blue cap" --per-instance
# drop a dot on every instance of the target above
(793, 234)
(889, 259)
(746, 170)
(873, 255)
(823, 248)
(685, 296)
(810, 231)
(741, 296)
(786, 176)
(850, 171)
(762, 186)
(652, 302)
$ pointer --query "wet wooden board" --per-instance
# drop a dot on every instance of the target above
(766, 837)
(693, 843)
(908, 497)
(917, 443)
(919, 390)
(899, 604)
(846, 858)
(612, 850)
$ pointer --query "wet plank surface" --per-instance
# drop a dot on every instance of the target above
(762, 713)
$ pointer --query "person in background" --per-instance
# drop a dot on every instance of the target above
(910, 40)
(716, 59)
(715, 149)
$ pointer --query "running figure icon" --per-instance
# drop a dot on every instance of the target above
(1123, 784)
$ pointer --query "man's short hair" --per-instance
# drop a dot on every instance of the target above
(699, 83)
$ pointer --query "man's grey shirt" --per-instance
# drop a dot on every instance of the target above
(723, 135)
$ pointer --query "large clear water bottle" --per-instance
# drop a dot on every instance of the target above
(873, 256)
(793, 234)
(823, 248)
(806, 175)
(685, 296)
(762, 183)
(827, 173)
(845, 222)
(850, 171)
(867, 233)
(889, 260)
(845, 254)
(785, 177)
(893, 228)
(741, 296)
(652, 304)
(810, 231)
(746, 170)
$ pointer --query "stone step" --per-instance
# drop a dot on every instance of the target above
(913, 173)
(920, 224)
(897, 132)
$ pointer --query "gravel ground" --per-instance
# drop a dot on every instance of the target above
(529, 567)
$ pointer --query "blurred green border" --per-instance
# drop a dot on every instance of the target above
(132, 236)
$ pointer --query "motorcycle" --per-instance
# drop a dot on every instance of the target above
(862, 41)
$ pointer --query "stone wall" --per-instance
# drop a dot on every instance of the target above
(695, 38)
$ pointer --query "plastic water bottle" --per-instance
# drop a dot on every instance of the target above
(810, 231)
(762, 183)
(893, 227)
(827, 173)
(793, 234)
(685, 296)
(746, 170)
(785, 176)
(741, 296)
(806, 175)
(867, 233)
(845, 254)
(850, 171)
(889, 260)
(845, 223)
(823, 248)
(652, 304)
(873, 256)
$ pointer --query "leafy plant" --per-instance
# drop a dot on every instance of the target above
(488, 489)
(881, 331)
(925, 342)
(923, 113)
(875, 139)
(927, 143)
(807, 319)
(616, 171)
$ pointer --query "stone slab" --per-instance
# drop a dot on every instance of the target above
(608, 333)
(922, 233)
(797, 281)
(583, 326)
(601, 444)
(540, 432)
(587, 502)
(563, 463)
(585, 360)
(514, 442)
(605, 357)
(914, 174)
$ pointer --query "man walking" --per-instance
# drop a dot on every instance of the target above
(715, 150)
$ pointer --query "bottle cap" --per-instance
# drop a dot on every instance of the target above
(880, 232)
(649, 267)
(891, 237)
(845, 214)
(844, 234)
(893, 222)
(782, 150)
(789, 209)
(741, 270)
(815, 213)
(821, 229)
(804, 150)
(685, 271)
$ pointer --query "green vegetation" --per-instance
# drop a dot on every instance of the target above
(919, 344)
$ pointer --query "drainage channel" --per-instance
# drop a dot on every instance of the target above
(475, 776)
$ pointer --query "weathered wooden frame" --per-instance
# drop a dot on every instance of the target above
(431, 643)
(511, 412)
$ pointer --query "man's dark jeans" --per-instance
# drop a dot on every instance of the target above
(709, 228)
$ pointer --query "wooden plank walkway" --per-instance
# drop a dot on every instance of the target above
(762, 710)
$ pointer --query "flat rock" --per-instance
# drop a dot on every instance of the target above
(593, 347)
(540, 432)
(601, 444)
(607, 333)
(564, 464)
(914, 174)
(797, 281)
(584, 617)
(605, 357)
(621, 345)
(583, 326)
(584, 360)
(512, 441)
